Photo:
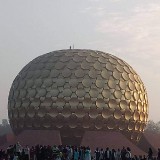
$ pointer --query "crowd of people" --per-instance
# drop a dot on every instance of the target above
(41, 152)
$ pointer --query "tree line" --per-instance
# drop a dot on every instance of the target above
(151, 126)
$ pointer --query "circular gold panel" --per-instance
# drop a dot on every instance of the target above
(125, 76)
(106, 113)
(122, 84)
(80, 92)
(122, 125)
(54, 92)
(111, 123)
(133, 106)
(116, 75)
(92, 73)
(111, 84)
(123, 104)
(87, 102)
(128, 114)
(53, 112)
(67, 92)
(74, 102)
(93, 113)
(73, 82)
(72, 65)
(117, 114)
(106, 93)
(100, 83)
(87, 82)
(136, 116)
(59, 65)
(31, 112)
(79, 73)
(97, 66)
(66, 112)
(100, 103)
(60, 102)
(66, 72)
(93, 92)
(112, 103)
(131, 125)
(80, 113)
(109, 67)
(128, 95)
(118, 94)
(105, 74)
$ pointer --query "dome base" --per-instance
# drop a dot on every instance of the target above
(71, 137)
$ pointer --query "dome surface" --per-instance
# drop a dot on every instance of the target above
(79, 90)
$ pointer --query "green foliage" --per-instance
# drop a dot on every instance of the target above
(5, 127)
(153, 127)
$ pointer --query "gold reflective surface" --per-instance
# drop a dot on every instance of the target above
(78, 88)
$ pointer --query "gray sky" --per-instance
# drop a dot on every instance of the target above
(129, 29)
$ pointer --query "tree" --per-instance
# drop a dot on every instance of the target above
(153, 127)
(5, 122)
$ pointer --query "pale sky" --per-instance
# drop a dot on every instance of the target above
(128, 29)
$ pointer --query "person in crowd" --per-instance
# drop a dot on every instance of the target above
(82, 152)
(97, 154)
(18, 149)
(118, 154)
(107, 154)
(46, 152)
(22, 155)
(113, 154)
(55, 151)
(76, 154)
(158, 154)
(150, 154)
(37, 152)
(15, 157)
(144, 157)
(3, 155)
(10, 152)
(58, 157)
(123, 153)
(27, 153)
(128, 155)
(70, 152)
(65, 152)
(101, 154)
(140, 157)
(32, 153)
(87, 155)
(135, 157)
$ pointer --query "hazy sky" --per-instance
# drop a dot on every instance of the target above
(129, 29)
